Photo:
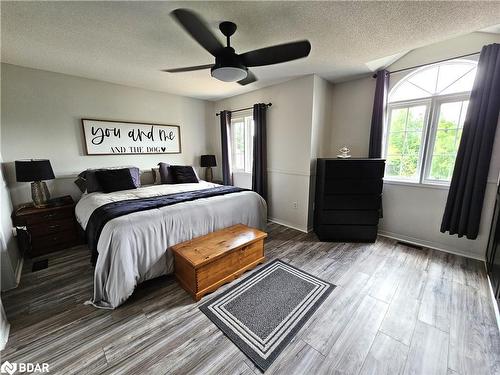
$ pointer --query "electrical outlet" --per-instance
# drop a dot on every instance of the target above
(295, 205)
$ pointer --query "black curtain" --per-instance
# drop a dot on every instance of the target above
(378, 114)
(259, 168)
(225, 131)
(468, 184)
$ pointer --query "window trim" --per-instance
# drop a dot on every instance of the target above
(428, 137)
(407, 77)
(241, 118)
(408, 104)
(233, 148)
(437, 102)
(433, 106)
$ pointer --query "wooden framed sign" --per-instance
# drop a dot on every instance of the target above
(106, 137)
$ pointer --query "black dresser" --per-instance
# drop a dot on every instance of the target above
(348, 199)
(493, 250)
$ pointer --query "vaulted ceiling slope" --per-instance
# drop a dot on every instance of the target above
(129, 42)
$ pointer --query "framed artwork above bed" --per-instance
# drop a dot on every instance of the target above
(107, 137)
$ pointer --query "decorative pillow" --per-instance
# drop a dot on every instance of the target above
(81, 183)
(115, 180)
(93, 184)
(166, 174)
(184, 174)
(196, 174)
(156, 176)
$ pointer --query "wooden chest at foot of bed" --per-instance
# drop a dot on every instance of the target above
(205, 263)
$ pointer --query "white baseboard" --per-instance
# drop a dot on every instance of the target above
(19, 270)
(425, 243)
(394, 236)
(4, 336)
(493, 300)
(286, 224)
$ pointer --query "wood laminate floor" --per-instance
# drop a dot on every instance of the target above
(396, 310)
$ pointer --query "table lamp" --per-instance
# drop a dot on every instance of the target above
(208, 161)
(35, 171)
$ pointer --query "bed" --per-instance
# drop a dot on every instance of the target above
(134, 247)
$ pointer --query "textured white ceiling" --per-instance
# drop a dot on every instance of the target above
(129, 42)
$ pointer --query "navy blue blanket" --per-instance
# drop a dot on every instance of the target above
(109, 211)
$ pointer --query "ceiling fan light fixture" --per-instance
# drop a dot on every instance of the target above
(230, 66)
(229, 73)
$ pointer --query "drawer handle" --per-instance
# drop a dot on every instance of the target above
(49, 215)
(55, 226)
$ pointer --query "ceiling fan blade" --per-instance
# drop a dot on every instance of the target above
(188, 68)
(249, 79)
(276, 54)
(197, 28)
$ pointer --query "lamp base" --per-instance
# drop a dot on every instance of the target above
(40, 194)
(209, 174)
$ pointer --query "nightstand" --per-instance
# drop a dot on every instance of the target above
(50, 228)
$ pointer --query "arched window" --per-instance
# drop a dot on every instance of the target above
(426, 114)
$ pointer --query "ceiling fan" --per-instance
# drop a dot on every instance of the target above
(230, 66)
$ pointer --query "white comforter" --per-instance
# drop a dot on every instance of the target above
(134, 248)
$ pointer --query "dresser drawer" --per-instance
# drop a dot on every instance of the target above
(53, 226)
(351, 187)
(354, 169)
(50, 228)
(55, 241)
(347, 233)
(351, 202)
(360, 217)
(66, 213)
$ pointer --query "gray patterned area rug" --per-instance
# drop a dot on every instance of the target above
(262, 313)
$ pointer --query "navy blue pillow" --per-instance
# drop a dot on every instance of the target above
(87, 180)
(183, 174)
(115, 180)
(166, 174)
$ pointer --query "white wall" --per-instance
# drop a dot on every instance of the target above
(41, 113)
(4, 327)
(411, 212)
(351, 113)
(458, 46)
(321, 119)
(288, 145)
(414, 213)
(242, 179)
(320, 134)
(297, 133)
(10, 257)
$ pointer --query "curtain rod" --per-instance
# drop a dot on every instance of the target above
(435, 62)
(243, 109)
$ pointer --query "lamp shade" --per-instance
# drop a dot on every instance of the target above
(33, 170)
(208, 161)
